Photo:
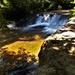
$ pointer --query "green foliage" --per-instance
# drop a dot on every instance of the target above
(72, 12)
(59, 7)
(4, 4)
(73, 2)
(3, 23)
(32, 6)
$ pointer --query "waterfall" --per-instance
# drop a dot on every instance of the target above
(46, 23)
(55, 23)
(49, 22)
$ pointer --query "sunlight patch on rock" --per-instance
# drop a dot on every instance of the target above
(67, 34)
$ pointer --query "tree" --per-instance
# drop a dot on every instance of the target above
(73, 10)
(4, 4)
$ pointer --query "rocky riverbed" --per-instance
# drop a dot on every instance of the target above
(57, 54)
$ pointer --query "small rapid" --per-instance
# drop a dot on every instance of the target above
(47, 23)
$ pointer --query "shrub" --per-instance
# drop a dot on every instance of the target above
(72, 12)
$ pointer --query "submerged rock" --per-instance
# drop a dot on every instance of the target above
(57, 54)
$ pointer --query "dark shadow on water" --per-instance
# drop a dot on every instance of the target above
(17, 35)
(22, 63)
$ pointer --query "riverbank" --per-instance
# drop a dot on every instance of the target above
(58, 51)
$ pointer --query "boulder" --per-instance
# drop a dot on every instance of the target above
(57, 53)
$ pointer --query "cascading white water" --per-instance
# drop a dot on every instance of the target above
(48, 22)
(56, 22)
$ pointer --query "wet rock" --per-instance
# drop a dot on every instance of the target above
(57, 54)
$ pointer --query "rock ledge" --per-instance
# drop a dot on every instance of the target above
(57, 54)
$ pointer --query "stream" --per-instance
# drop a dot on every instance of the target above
(45, 23)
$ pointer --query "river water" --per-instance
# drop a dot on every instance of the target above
(46, 23)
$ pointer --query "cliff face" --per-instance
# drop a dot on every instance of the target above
(57, 54)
